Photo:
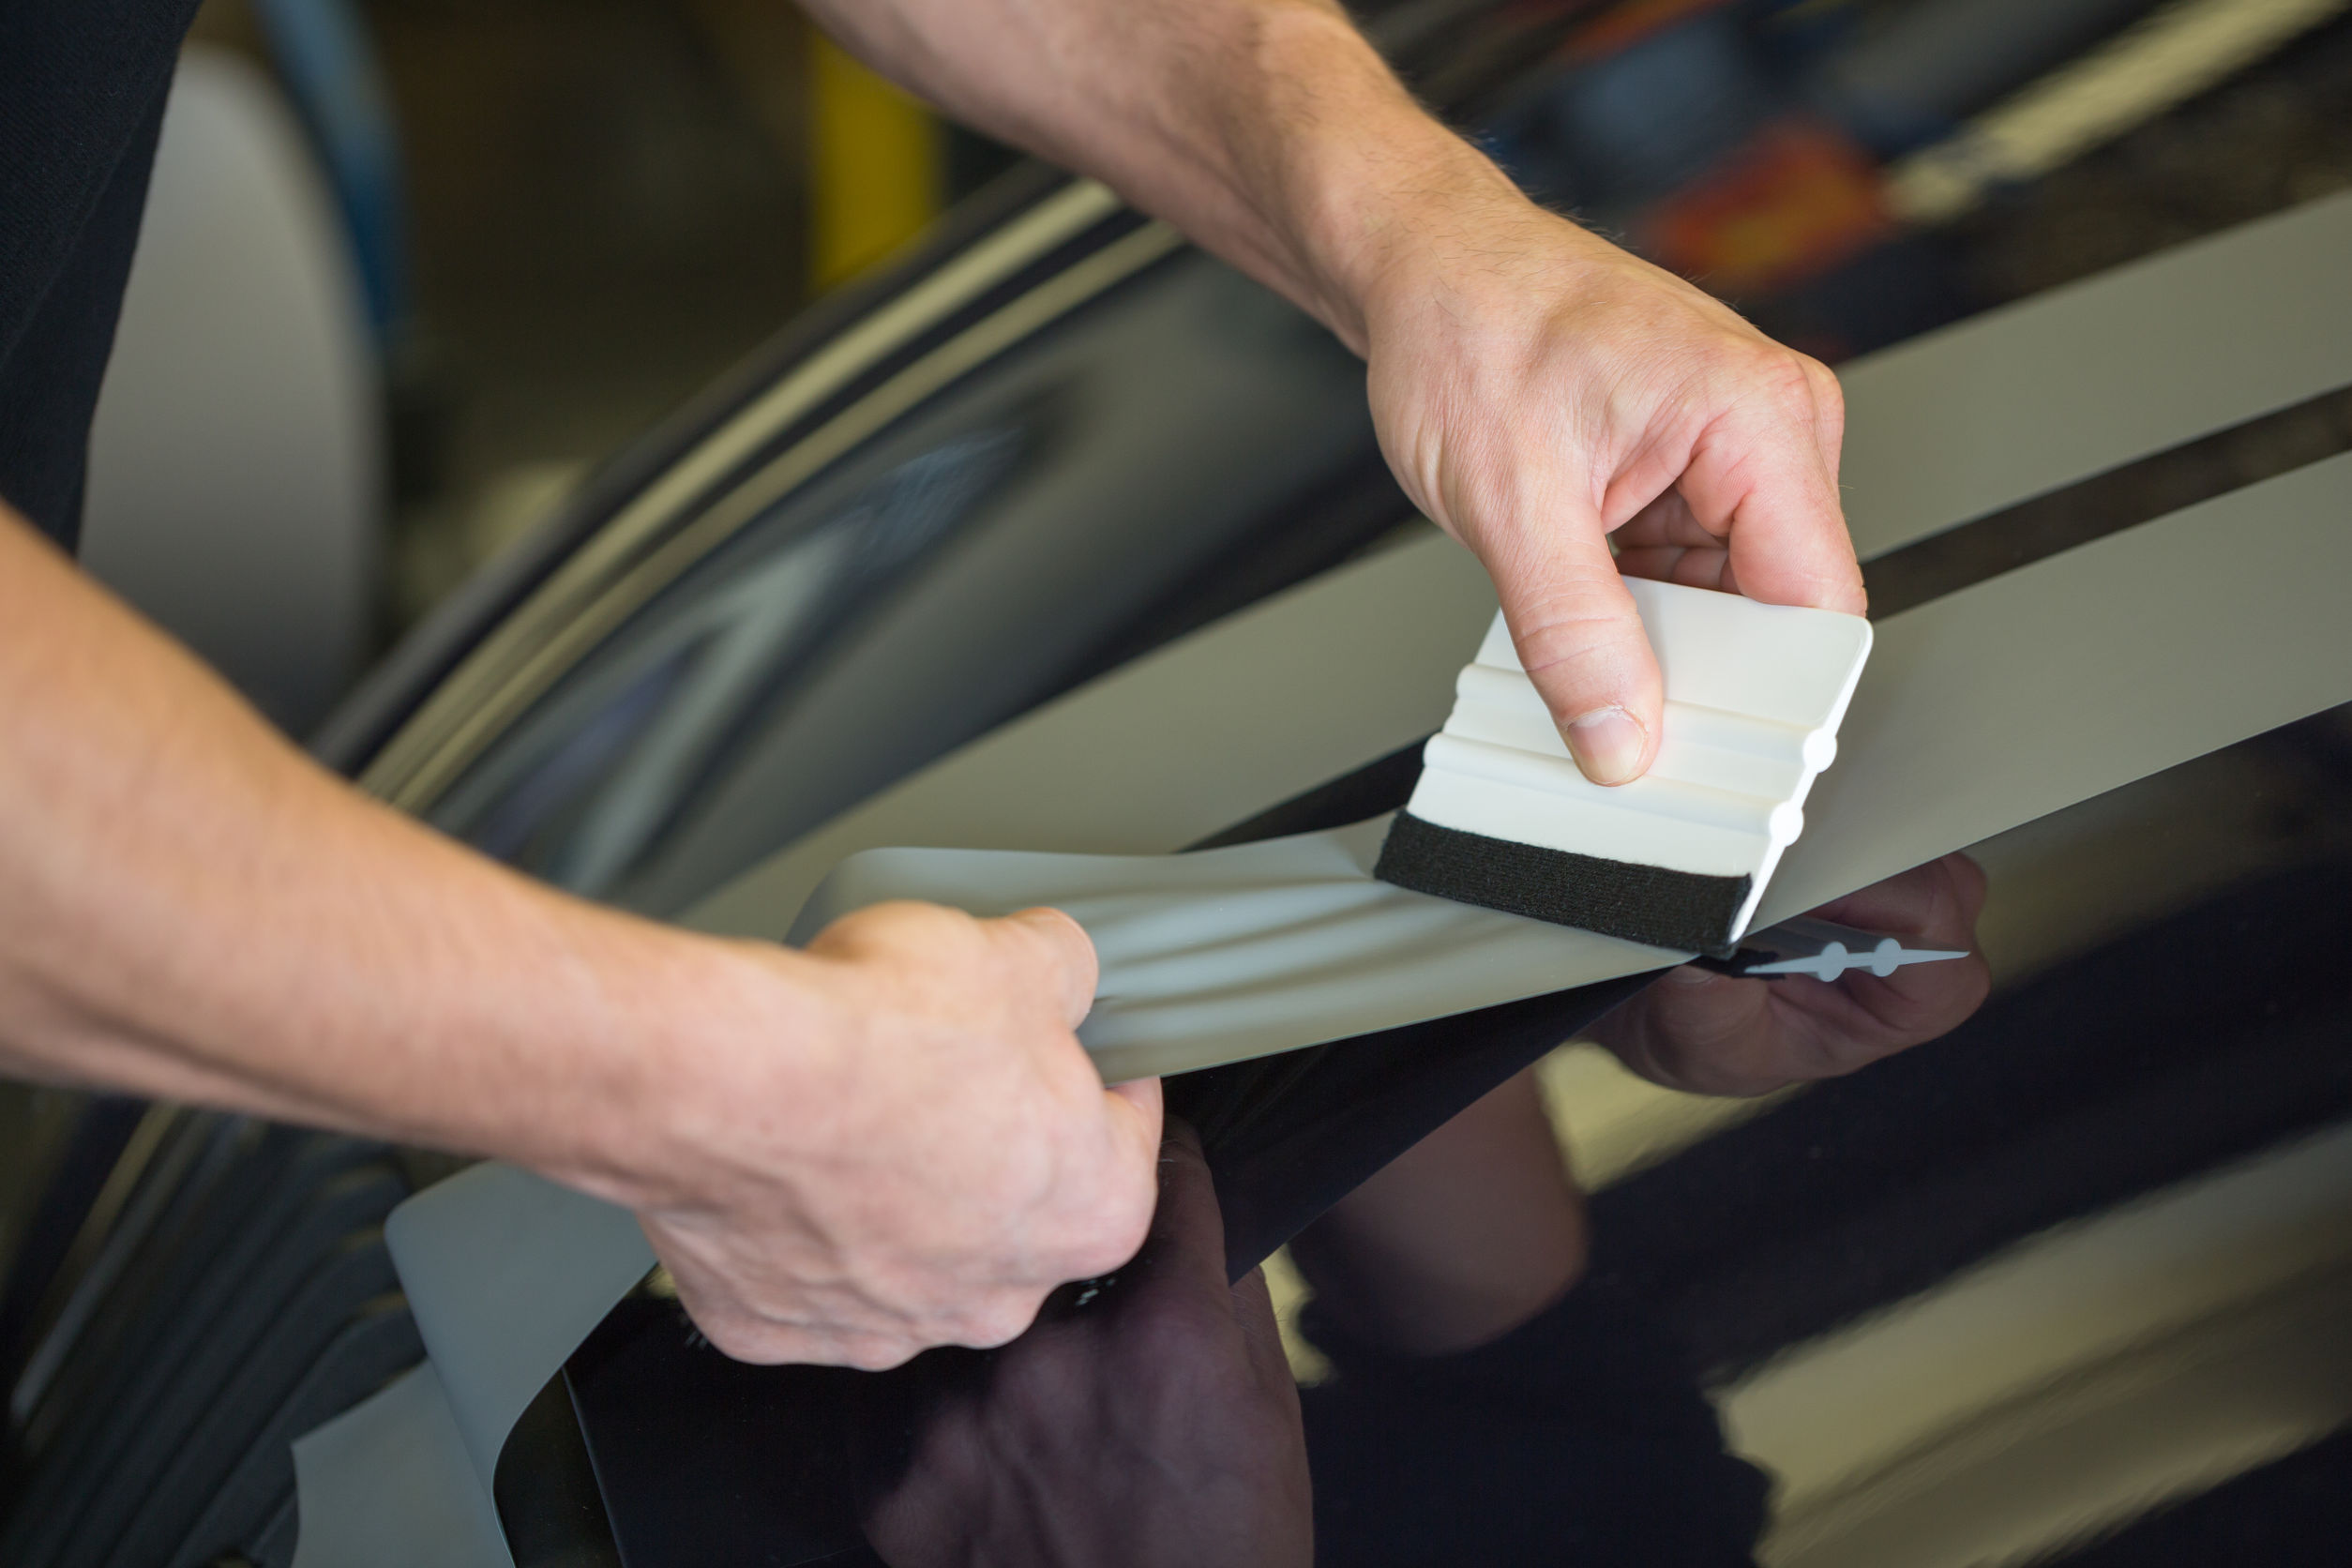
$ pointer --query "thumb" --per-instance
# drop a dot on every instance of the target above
(1583, 646)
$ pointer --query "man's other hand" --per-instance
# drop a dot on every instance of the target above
(914, 1157)
(1538, 390)
(1711, 1033)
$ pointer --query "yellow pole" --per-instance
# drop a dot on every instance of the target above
(875, 166)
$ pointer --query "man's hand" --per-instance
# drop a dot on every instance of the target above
(1537, 390)
(894, 1139)
(1148, 1420)
(888, 1141)
(1535, 387)
(1711, 1034)
(930, 1156)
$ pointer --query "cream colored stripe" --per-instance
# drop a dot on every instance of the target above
(1829, 1416)
(1613, 1124)
(2099, 1446)
(2020, 400)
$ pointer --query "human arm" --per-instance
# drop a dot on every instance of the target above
(1535, 388)
(890, 1141)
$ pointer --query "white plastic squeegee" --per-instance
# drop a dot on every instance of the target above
(1754, 697)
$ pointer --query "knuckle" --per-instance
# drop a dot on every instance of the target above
(1110, 1241)
(876, 1353)
(1786, 377)
(1104, 1252)
(997, 1321)
(885, 927)
(1828, 393)
(1051, 941)
(741, 1337)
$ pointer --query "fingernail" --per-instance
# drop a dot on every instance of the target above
(1607, 744)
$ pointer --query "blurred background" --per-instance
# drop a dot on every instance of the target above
(527, 228)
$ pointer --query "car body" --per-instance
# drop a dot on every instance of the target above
(1987, 1302)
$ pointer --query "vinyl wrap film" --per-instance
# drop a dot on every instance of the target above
(1226, 955)
(1980, 710)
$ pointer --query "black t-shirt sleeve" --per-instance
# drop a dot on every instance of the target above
(81, 90)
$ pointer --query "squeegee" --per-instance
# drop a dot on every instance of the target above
(1501, 816)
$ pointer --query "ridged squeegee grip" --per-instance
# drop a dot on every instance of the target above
(1678, 858)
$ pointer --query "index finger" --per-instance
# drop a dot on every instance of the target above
(1761, 479)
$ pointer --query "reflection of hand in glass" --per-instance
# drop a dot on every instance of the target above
(1158, 1423)
(1712, 1034)
(1461, 1238)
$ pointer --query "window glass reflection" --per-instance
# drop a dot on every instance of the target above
(594, 777)
(1181, 447)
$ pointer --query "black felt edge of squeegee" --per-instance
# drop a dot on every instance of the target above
(1649, 904)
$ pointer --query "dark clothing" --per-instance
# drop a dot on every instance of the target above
(81, 90)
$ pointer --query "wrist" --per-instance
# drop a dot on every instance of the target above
(1381, 196)
(1332, 156)
(710, 1053)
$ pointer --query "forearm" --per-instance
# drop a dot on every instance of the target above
(890, 1141)
(191, 908)
(1268, 130)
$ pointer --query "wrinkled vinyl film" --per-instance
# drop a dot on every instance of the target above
(1229, 954)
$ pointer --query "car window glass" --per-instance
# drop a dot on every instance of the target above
(984, 551)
